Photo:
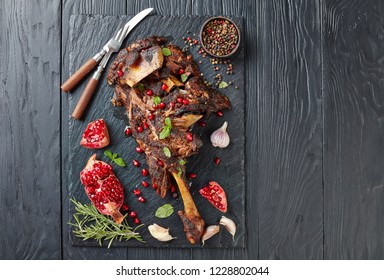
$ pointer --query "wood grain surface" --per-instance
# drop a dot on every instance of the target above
(314, 127)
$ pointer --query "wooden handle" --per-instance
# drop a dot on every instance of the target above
(79, 75)
(84, 99)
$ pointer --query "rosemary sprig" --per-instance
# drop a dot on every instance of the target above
(90, 224)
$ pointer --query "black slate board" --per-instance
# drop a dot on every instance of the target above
(87, 35)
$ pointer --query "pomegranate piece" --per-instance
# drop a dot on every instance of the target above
(215, 194)
(96, 135)
(103, 188)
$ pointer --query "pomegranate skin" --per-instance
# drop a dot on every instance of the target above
(103, 188)
(96, 135)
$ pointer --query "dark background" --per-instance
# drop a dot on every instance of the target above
(314, 128)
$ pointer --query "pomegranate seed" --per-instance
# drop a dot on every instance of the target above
(145, 184)
(128, 131)
(217, 160)
(161, 105)
(201, 123)
(164, 87)
(185, 101)
(144, 172)
(136, 163)
(120, 73)
(179, 100)
(136, 221)
(154, 186)
(146, 126)
(173, 189)
(181, 71)
(172, 104)
(132, 214)
(189, 136)
(137, 192)
(188, 39)
(141, 199)
(139, 150)
(151, 116)
(125, 207)
(140, 128)
(195, 42)
(219, 113)
(160, 162)
(192, 176)
(149, 92)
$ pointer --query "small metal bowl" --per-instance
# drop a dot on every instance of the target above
(202, 35)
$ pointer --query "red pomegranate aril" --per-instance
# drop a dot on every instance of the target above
(141, 199)
(172, 104)
(189, 136)
(219, 113)
(144, 172)
(136, 163)
(151, 116)
(154, 186)
(161, 105)
(125, 207)
(181, 71)
(192, 175)
(128, 131)
(149, 92)
(132, 214)
(140, 128)
(179, 100)
(202, 123)
(164, 87)
(145, 184)
(120, 73)
(185, 101)
(160, 163)
(137, 192)
(136, 221)
(173, 189)
(139, 150)
(217, 160)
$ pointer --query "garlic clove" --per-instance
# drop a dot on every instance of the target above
(220, 138)
(229, 225)
(160, 233)
(209, 232)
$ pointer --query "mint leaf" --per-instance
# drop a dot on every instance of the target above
(164, 211)
(156, 100)
(119, 161)
(182, 162)
(114, 155)
(183, 77)
(108, 153)
(167, 152)
(180, 171)
(165, 132)
(140, 86)
(166, 51)
(223, 84)
(168, 122)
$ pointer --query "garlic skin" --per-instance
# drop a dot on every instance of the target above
(220, 137)
(209, 232)
(229, 225)
(160, 233)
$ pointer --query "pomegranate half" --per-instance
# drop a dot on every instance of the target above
(96, 135)
(103, 188)
(215, 194)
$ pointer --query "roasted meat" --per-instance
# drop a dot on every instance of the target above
(164, 95)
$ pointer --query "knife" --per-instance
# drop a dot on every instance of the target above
(92, 62)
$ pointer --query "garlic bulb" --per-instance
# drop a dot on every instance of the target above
(209, 232)
(220, 137)
(160, 233)
(229, 225)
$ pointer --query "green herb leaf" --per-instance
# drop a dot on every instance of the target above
(165, 132)
(119, 161)
(167, 152)
(183, 77)
(140, 86)
(114, 155)
(182, 162)
(168, 122)
(180, 171)
(223, 84)
(164, 211)
(108, 153)
(166, 51)
(156, 100)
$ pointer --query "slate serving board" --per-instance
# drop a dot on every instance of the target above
(87, 35)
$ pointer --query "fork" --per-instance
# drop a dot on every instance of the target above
(113, 46)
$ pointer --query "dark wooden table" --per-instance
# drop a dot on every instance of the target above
(314, 128)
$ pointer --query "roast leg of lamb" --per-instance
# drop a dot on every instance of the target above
(164, 95)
